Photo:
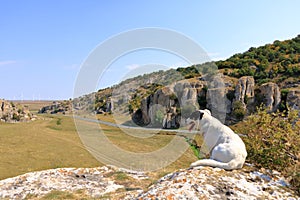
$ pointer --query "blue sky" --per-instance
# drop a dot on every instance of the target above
(43, 43)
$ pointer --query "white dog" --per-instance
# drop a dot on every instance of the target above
(226, 149)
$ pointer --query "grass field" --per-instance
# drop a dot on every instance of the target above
(52, 142)
(42, 144)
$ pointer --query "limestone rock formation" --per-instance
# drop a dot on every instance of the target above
(293, 99)
(161, 108)
(244, 88)
(214, 183)
(271, 95)
(56, 107)
(103, 182)
(12, 112)
(218, 103)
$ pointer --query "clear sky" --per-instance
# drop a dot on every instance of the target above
(43, 43)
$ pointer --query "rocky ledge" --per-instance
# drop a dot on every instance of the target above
(200, 183)
(215, 183)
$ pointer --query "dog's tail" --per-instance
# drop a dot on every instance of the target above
(233, 164)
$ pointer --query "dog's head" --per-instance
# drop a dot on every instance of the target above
(196, 117)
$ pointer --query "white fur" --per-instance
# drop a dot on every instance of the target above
(226, 149)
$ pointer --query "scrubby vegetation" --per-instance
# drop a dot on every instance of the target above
(273, 142)
(141, 93)
(276, 61)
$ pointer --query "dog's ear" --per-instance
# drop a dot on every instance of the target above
(196, 115)
(207, 111)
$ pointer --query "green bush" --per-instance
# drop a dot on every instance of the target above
(238, 110)
(16, 117)
(273, 142)
(58, 122)
(159, 117)
(173, 96)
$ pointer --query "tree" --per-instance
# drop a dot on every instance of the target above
(159, 116)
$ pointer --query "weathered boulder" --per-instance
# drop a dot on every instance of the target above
(244, 88)
(11, 112)
(271, 95)
(293, 99)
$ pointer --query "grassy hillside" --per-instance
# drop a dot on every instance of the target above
(277, 62)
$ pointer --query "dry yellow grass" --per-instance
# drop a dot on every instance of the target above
(26, 147)
(53, 142)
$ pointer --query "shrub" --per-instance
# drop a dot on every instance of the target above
(173, 96)
(159, 117)
(273, 142)
(58, 122)
(16, 117)
(238, 110)
(12, 104)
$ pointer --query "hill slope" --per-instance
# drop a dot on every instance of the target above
(278, 63)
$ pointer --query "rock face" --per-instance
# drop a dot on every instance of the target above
(11, 112)
(271, 95)
(218, 103)
(200, 183)
(160, 109)
(57, 107)
(293, 99)
(225, 100)
(216, 96)
(244, 88)
(148, 103)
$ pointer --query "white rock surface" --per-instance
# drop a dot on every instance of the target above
(91, 180)
(214, 183)
(200, 183)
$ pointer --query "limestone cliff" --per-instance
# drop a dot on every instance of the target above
(57, 107)
(165, 107)
(271, 95)
(229, 100)
(244, 88)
